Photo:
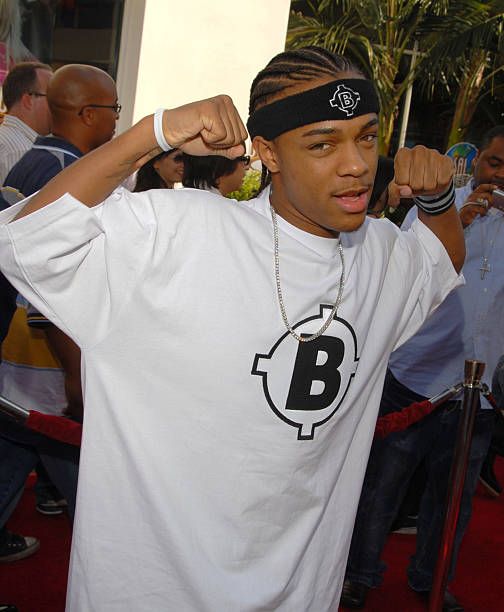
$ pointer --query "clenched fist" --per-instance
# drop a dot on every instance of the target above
(207, 127)
(419, 171)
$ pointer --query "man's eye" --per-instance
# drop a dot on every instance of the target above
(319, 146)
(370, 137)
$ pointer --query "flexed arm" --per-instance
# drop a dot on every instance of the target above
(210, 126)
(420, 172)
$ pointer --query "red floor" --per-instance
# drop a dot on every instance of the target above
(479, 582)
(38, 584)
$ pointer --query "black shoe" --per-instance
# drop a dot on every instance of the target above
(14, 547)
(51, 507)
(353, 595)
(450, 603)
(488, 478)
(407, 525)
(8, 608)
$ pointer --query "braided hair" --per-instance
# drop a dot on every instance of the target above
(287, 69)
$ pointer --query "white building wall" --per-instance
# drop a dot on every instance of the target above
(178, 51)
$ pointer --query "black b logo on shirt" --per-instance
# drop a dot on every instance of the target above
(307, 370)
(305, 382)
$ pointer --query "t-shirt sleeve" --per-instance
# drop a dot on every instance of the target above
(78, 265)
(432, 276)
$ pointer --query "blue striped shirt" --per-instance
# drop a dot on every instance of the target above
(469, 324)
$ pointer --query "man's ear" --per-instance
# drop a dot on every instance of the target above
(266, 151)
(88, 115)
(26, 101)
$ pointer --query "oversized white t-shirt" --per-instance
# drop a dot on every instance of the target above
(222, 460)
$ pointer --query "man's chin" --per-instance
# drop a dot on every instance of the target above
(351, 223)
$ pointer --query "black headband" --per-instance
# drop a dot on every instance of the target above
(341, 99)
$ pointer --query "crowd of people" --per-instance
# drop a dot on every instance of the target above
(234, 356)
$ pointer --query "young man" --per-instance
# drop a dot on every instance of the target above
(233, 353)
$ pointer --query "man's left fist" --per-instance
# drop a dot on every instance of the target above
(419, 171)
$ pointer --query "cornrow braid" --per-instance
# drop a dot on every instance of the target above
(288, 68)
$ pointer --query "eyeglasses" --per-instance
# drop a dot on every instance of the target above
(37, 94)
(245, 159)
(115, 107)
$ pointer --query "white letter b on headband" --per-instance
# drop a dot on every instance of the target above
(341, 99)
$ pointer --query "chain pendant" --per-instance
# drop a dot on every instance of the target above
(283, 312)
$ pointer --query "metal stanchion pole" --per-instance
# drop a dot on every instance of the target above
(13, 410)
(473, 371)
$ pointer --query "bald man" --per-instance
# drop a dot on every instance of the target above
(84, 109)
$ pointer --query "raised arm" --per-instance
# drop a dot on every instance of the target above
(210, 126)
(425, 172)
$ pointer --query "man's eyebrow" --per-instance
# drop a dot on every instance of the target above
(496, 158)
(330, 130)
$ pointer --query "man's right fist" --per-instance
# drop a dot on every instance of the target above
(207, 127)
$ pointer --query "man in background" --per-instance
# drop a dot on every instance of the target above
(84, 109)
(468, 324)
(24, 94)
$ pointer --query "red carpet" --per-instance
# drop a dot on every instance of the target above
(478, 583)
(38, 584)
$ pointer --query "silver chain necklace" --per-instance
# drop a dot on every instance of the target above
(337, 303)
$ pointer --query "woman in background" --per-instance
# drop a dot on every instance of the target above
(215, 173)
(161, 172)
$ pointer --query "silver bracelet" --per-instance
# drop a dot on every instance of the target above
(158, 130)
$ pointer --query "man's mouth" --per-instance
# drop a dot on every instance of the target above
(352, 200)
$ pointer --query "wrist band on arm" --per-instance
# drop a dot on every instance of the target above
(158, 130)
(438, 203)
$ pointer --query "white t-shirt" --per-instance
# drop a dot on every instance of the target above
(222, 461)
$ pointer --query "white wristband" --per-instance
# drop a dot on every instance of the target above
(158, 130)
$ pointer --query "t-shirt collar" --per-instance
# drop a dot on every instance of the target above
(325, 247)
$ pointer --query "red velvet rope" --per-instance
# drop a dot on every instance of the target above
(401, 420)
(70, 432)
(56, 427)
